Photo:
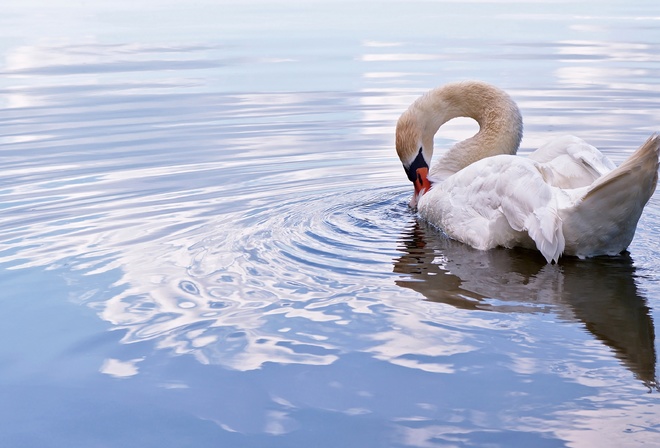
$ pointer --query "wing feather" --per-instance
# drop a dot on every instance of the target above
(570, 162)
(498, 201)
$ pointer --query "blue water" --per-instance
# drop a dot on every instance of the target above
(205, 238)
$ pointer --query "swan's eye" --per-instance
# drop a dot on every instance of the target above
(418, 163)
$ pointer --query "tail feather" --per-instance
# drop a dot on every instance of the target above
(643, 162)
(603, 222)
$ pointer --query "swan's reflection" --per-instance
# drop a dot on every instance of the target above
(601, 292)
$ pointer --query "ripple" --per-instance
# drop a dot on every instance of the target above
(340, 232)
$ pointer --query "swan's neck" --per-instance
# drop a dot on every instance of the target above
(500, 123)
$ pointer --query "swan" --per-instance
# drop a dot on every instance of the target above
(566, 198)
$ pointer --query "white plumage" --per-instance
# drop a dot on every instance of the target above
(565, 198)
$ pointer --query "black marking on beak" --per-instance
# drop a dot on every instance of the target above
(418, 163)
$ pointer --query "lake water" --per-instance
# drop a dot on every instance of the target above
(205, 238)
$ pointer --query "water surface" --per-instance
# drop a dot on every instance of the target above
(205, 238)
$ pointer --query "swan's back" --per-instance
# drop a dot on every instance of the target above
(570, 162)
(507, 201)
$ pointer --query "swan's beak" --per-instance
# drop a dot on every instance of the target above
(422, 185)
(418, 173)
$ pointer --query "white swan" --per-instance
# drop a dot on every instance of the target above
(565, 198)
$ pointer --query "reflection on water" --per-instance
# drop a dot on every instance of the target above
(601, 293)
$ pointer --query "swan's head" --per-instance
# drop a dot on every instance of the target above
(414, 156)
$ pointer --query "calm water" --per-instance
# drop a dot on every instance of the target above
(205, 239)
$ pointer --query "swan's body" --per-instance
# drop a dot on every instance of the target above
(565, 198)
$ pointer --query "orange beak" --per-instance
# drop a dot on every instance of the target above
(422, 183)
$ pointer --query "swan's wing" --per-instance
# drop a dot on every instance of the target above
(570, 162)
(498, 201)
(531, 205)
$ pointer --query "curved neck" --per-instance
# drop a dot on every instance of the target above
(498, 116)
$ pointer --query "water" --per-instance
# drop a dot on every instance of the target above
(204, 237)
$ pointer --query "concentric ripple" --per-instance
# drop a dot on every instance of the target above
(347, 233)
